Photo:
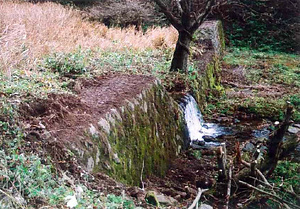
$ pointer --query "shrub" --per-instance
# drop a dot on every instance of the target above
(125, 13)
(262, 25)
(69, 64)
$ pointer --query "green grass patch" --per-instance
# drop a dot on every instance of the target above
(273, 70)
(266, 67)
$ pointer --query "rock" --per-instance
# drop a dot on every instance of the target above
(209, 139)
(93, 130)
(293, 130)
(297, 125)
(137, 193)
(205, 206)
(249, 147)
(116, 158)
(166, 200)
(71, 201)
(236, 120)
(199, 143)
(46, 135)
(159, 199)
(204, 183)
(151, 198)
(133, 191)
(261, 140)
(177, 197)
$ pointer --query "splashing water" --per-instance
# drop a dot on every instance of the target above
(196, 126)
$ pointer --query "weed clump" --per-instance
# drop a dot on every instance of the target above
(69, 64)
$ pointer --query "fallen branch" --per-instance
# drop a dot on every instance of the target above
(292, 193)
(258, 172)
(267, 193)
(200, 191)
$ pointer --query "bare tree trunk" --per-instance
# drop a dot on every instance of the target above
(181, 53)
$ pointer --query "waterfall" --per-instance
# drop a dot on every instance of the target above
(197, 127)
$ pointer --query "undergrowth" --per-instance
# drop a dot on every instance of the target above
(27, 180)
(270, 80)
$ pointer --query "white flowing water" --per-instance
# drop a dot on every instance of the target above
(196, 126)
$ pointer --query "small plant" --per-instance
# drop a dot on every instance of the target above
(286, 174)
(197, 154)
(69, 65)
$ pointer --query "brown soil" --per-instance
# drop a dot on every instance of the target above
(185, 175)
(66, 116)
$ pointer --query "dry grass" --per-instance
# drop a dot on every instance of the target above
(30, 31)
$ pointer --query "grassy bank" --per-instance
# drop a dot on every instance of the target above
(259, 83)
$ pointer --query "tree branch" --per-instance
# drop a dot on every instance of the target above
(202, 16)
(179, 6)
(258, 172)
(229, 185)
(173, 20)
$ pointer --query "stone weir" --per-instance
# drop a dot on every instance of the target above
(140, 137)
(123, 125)
(207, 49)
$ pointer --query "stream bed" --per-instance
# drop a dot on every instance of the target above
(249, 131)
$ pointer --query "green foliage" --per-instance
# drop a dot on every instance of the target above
(115, 202)
(38, 83)
(287, 174)
(10, 133)
(265, 107)
(273, 70)
(295, 100)
(262, 25)
(197, 154)
(26, 177)
(69, 65)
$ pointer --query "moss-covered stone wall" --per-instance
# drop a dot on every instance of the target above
(141, 137)
(210, 38)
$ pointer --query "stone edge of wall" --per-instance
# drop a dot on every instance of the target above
(144, 134)
(209, 77)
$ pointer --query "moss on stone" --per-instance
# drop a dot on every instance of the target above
(146, 134)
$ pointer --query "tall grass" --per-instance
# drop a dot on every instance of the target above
(30, 31)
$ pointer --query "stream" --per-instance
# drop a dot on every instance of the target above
(203, 134)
